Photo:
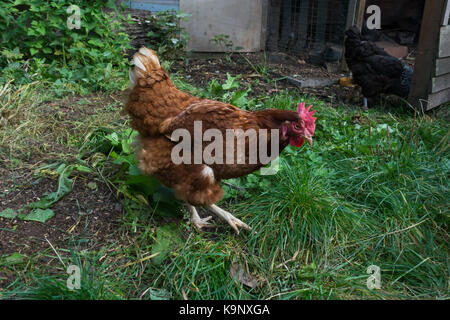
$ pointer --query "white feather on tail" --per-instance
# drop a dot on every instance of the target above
(145, 61)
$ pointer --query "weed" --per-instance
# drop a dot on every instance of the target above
(167, 35)
(223, 41)
(261, 69)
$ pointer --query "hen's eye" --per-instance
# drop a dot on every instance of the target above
(296, 126)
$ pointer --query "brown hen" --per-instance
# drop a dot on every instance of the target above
(190, 144)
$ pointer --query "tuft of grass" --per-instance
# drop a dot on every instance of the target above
(32, 122)
(97, 280)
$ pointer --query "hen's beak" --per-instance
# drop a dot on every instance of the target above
(308, 138)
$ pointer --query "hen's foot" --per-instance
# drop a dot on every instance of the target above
(234, 222)
(198, 222)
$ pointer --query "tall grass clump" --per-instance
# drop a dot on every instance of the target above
(97, 278)
(372, 190)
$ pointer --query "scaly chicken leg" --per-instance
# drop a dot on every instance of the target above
(229, 218)
(198, 222)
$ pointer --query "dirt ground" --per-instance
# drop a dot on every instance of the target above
(202, 68)
(84, 215)
(81, 213)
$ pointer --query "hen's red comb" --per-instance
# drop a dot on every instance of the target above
(307, 116)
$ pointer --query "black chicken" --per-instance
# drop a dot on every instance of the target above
(374, 69)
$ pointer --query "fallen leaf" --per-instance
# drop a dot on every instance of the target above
(14, 258)
(8, 213)
(168, 238)
(308, 272)
(253, 75)
(39, 215)
(158, 294)
(239, 274)
(92, 186)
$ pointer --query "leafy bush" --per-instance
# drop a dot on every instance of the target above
(35, 37)
(167, 35)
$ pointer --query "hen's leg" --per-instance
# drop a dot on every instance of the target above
(229, 218)
(366, 104)
(198, 222)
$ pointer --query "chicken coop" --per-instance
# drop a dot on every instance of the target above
(314, 30)
(415, 29)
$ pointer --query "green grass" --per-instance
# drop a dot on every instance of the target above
(372, 190)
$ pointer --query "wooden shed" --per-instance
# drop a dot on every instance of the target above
(431, 82)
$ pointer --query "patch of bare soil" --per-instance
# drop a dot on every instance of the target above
(89, 217)
(74, 108)
(85, 214)
(201, 69)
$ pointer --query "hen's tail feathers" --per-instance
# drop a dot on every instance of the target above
(146, 66)
(353, 33)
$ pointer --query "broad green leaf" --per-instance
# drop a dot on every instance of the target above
(165, 195)
(126, 146)
(82, 168)
(14, 258)
(148, 185)
(64, 187)
(96, 42)
(159, 294)
(38, 215)
(239, 99)
(114, 138)
(166, 203)
(168, 238)
(231, 82)
(133, 170)
(8, 213)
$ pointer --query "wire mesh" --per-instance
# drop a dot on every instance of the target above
(299, 26)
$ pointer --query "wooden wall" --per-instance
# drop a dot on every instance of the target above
(241, 20)
(431, 82)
